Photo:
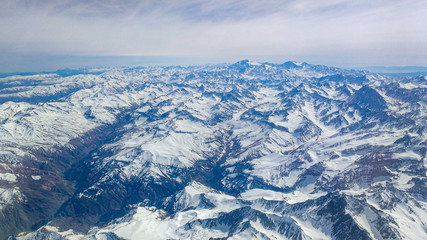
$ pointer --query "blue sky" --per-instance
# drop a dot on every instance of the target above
(42, 34)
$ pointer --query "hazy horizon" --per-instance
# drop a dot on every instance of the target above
(41, 64)
(40, 35)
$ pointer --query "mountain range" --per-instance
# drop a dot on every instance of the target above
(233, 151)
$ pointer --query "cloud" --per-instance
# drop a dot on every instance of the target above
(337, 32)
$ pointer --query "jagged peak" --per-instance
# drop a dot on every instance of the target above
(247, 62)
(369, 98)
(293, 64)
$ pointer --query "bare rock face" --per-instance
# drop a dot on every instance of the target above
(368, 98)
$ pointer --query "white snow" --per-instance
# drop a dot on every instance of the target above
(310, 112)
(254, 194)
(407, 155)
(411, 218)
(310, 231)
(408, 85)
(36, 177)
(254, 63)
(292, 121)
(9, 196)
(271, 234)
(302, 195)
(8, 177)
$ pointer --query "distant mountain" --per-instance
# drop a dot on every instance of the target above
(240, 151)
(396, 69)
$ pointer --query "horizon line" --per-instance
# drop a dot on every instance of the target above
(52, 63)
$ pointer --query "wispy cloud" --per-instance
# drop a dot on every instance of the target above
(337, 32)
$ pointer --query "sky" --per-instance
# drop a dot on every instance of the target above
(50, 34)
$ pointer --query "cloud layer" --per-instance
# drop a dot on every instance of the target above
(337, 32)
